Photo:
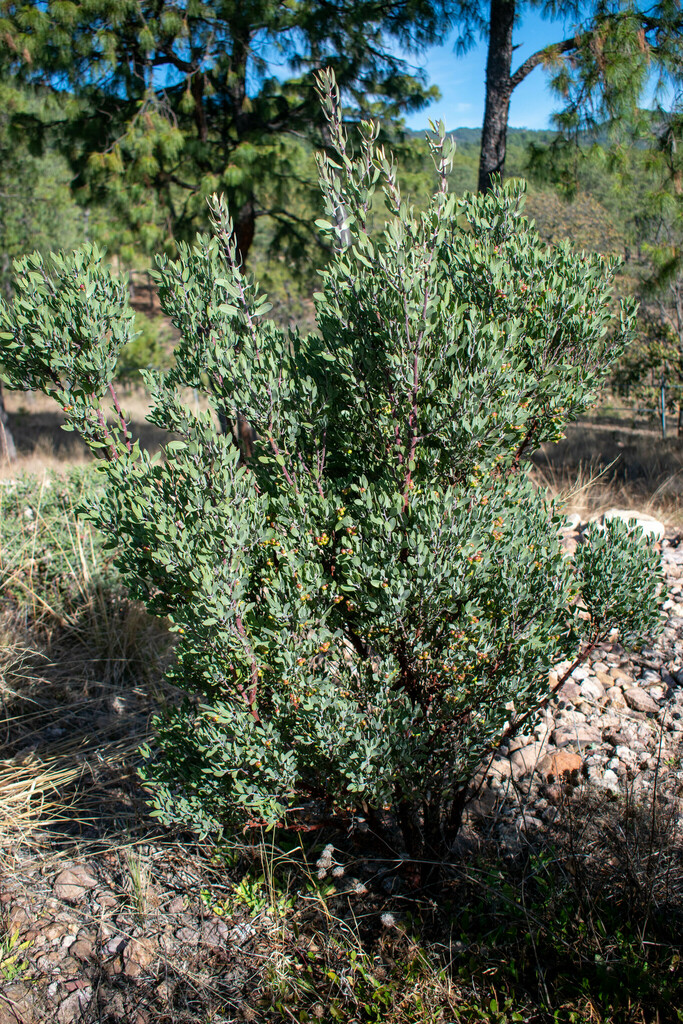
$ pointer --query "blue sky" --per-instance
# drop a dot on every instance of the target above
(461, 80)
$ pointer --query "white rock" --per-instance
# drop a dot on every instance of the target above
(610, 781)
(592, 689)
(649, 526)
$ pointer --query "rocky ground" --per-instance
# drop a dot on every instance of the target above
(157, 931)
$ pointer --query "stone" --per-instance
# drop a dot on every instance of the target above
(592, 689)
(241, 933)
(625, 754)
(500, 769)
(106, 902)
(138, 955)
(73, 884)
(523, 740)
(639, 700)
(650, 527)
(19, 1004)
(610, 781)
(563, 766)
(570, 691)
(55, 930)
(580, 734)
(73, 1008)
(82, 950)
(215, 932)
(525, 759)
(618, 738)
(615, 698)
(116, 944)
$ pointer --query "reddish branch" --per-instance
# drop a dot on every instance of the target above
(250, 696)
(122, 418)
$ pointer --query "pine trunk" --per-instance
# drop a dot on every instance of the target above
(245, 225)
(498, 92)
(8, 449)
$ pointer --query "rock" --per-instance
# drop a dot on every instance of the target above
(563, 766)
(500, 769)
(137, 957)
(523, 740)
(610, 782)
(106, 901)
(241, 933)
(615, 698)
(82, 950)
(525, 759)
(116, 944)
(215, 932)
(592, 689)
(649, 526)
(626, 755)
(55, 930)
(580, 734)
(74, 1007)
(570, 692)
(72, 884)
(19, 1007)
(639, 700)
(165, 990)
(618, 738)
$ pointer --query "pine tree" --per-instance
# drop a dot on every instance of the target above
(177, 99)
(601, 69)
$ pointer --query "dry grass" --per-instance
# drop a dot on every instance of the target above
(598, 467)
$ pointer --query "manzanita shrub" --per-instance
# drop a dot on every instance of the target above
(373, 594)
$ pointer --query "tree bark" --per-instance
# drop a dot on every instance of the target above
(7, 447)
(498, 92)
(245, 225)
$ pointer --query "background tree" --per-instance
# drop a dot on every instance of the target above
(601, 69)
(179, 98)
(37, 210)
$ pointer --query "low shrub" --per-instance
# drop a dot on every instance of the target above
(373, 595)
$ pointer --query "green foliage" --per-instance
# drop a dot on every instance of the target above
(361, 598)
(13, 965)
(37, 210)
(151, 347)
